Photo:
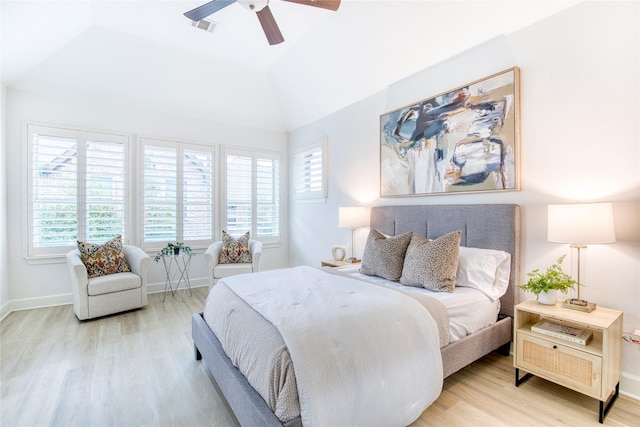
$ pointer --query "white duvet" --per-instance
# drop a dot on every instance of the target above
(362, 355)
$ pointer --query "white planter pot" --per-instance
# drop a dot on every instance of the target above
(548, 298)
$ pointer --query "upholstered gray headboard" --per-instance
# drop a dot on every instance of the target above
(482, 226)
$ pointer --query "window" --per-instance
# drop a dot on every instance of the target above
(252, 194)
(91, 186)
(177, 193)
(78, 188)
(310, 171)
(267, 196)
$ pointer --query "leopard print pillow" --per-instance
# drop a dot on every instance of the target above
(384, 256)
(432, 264)
(101, 260)
(234, 250)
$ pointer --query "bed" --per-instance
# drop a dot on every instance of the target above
(481, 226)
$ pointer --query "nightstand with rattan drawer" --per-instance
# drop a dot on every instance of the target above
(593, 369)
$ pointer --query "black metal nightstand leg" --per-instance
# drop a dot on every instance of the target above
(523, 379)
(605, 409)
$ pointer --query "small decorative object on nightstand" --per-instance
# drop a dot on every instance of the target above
(546, 286)
(593, 369)
(338, 252)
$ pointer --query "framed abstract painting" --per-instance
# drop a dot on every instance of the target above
(463, 140)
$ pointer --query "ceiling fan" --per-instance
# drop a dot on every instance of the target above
(261, 8)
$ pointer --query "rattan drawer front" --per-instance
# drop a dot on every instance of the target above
(578, 370)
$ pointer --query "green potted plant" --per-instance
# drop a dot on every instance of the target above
(173, 249)
(546, 285)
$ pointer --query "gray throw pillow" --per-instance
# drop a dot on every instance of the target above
(384, 256)
(432, 264)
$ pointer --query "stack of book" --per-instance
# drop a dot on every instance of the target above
(565, 332)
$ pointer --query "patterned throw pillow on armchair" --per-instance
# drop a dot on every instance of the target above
(105, 259)
(235, 251)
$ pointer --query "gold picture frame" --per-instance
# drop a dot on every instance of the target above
(460, 141)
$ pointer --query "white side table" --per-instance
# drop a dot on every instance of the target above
(176, 268)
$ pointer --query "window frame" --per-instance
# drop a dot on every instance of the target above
(255, 155)
(309, 195)
(180, 147)
(133, 151)
(82, 137)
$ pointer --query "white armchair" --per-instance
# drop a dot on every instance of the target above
(219, 271)
(114, 293)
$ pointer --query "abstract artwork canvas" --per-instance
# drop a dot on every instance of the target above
(463, 140)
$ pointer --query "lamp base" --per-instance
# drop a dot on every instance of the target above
(352, 260)
(579, 304)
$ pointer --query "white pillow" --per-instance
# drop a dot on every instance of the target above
(486, 270)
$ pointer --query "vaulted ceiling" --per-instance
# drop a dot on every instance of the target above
(145, 54)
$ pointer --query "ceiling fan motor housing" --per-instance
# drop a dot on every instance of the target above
(254, 5)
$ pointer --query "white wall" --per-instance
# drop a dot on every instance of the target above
(33, 284)
(4, 268)
(580, 141)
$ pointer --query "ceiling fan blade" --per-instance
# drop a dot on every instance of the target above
(207, 9)
(271, 30)
(324, 4)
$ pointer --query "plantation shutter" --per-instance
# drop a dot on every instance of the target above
(310, 171)
(239, 189)
(78, 188)
(177, 193)
(54, 189)
(160, 193)
(197, 178)
(267, 196)
(252, 194)
(105, 189)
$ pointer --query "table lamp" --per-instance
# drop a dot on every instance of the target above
(353, 217)
(580, 224)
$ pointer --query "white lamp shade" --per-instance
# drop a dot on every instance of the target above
(585, 224)
(353, 217)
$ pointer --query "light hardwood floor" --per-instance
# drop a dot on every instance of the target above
(138, 369)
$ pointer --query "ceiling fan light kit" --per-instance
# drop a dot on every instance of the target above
(205, 25)
(261, 8)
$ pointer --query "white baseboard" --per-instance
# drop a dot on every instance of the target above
(37, 302)
(630, 386)
(4, 311)
(154, 288)
(64, 299)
